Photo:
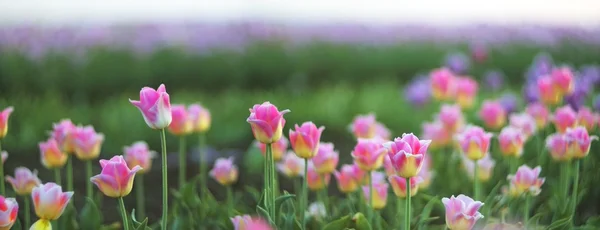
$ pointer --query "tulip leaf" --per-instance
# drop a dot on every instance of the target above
(593, 221)
(559, 223)
(68, 220)
(340, 223)
(361, 222)
(427, 211)
(281, 199)
(253, 192)
(90, 216)
(17, 225)
(139, 225)
(262, 212)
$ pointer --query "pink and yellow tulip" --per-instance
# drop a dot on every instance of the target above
(138, 154)
(563, 80)
(399, 185)
(24, 181)
(587, 119)
(155, 107)
(181, 124)
(116, 179)
(278, 148)
(564, 117)
(462, 212)
(305, 139)
(49, 201)
(523, 122)
(526, 180)
(540, 113)
(474, 142)
(485, 166)
(87, 143)
(557, 147)
(549, 93)
(492, 114)
(364, 126)
(326, 159)
(315, 180)
(451, 117)
(380, 193)
(291, 165)
(346, 179)
(466, 91)
(199, 117)
(9, 208)
(511, 141)
(4, 115)
(267, 122)
(247, 222)
(407, 154)
(51, 155)
(443, 84)
(368, 154)
(437, 133)
(578, 142)
(63, 134)
(225, 172)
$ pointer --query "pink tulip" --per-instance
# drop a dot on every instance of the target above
(437, 133)
(239, 222)
(461, 212)
(224, 171)
(474, 142)
(407, 154)
(266, 122)
(382, 132)
(388, 166)
(563, 80)
(486, 167)
(564, 117)
(377, 177)
(326, 159)
(540, 113)
(493, 114)
(246, 222)
(527, 180)
(549, 93)
(399, 185)
(578, 142)
(557, 146)
(49, 200)
(359, 175)
(511, 141)
(347, 182)
(305, 139)
(277, 148)
(443, 84)
(466, 91)
(291, 165)
(315, 180)
(87, 143)
(380, 192)
(587, 119)
(138, 154)
(368, 154)
(9, 208)
(425, 173)
(116, 179)
(364, 126)
(451, 117)
(51, 155)
(155, 107)
(199, 117)
(63, 134)
(523, 122)
(180, 121)
(24, 181)
(4, 115)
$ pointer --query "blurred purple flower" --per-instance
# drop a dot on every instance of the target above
(459, 63)
(493, 80)
(531, 93)
(591, 74)
(542, 64)
(418, 91)
(510, 102)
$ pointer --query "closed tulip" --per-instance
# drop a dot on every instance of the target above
(380, 193)
(443, 84)
(4, 115)
(116, 179)
(51, 155)
(87, 143)
(138, 154)
(466, 91)
(474, 142)
(578, 142)
(199, 117)
(315, 180)
(451, 118)
(347, 182)
(326, 159)
(63, 134)
(225, 172)
(493, 114)
(407, 154)
(540, 113)
(291, 165)
(9, 208)
(180, 122)
(155, 107)
(368, 154)
(511, 141)
(563, 80)
(305, 139)
(267, 122)
(564, 117)
(364, 126)
(557, 147)
(549, 94)
(24, 181)
(462, 212)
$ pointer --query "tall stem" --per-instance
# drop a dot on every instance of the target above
(26, 210)
(526, 210)
(165, 203)
(123, 213)
(2, 186)
(475, 181)
(182, 161)
(350, 202)
(302, 209)
(56, 176)
(70, 172)
(139, 196)
(407, 208)
(574, 194)
(325, 195)
(398, 219)
(514, 161)
(567, 175)
(202, 161)
(88, 185)
(230, 206)
(270, 201)
(371, 210)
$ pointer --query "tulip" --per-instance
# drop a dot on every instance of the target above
(527, 180)
(382, 132)
(305, 139)
(368, 154)
(87, 143)
(407, 154)
(326, 159)
(523, 122)
(315, 180)
(9, 208)
(63, 134)
(540, 113)
(376, 176)
(52, 157)
(466, 90)
(442, 84)
(399, 185)
(49, 201)
(359, 174)
(278, 148)
(564, 117)
(364, 126)
(578, 142)
(116, 179)
(388, 166)
(437, 133)
(587, 119)
(347, 182)
(246, 222)
(474, 142)
(451, 117)
(378, 195)
(138, 154)
(563, 80)
(266, 122)
(317, 210)
(511, 141)
(493, 114)
(24, 181)
(291, 165)
(557, 146)
(485, 165)
(4, 115)
(461, 212)
(155, 107)
(425, 173)
(199, 117)
(549, 94)
(224, 171)
(180, 121)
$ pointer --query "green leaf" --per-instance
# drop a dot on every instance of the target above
(281, 199)
(17, 225)
(340, 223)
(262, 212)
(68, 220)
(593, 221)
(139, 225)
(427, 210)
(559, 223)
(536, 219)
(361, 222)
(253, 192)
(90, 216)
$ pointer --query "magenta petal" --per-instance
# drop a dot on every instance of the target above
(472, 208)
(262, 125)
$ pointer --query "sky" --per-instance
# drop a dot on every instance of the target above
(584, 13)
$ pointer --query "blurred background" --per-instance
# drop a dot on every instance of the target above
(326, 61)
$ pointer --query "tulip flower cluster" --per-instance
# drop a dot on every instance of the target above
(448, 85)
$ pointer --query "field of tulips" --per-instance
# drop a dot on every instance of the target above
(468, 143)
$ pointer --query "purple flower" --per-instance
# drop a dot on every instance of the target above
(591, 74)
(509, 101)
(418, 91)
(459, 63)
(494, 80)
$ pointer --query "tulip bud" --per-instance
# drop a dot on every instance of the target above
(116, 179)
(155, 107)
(266, 122)
(305, 139)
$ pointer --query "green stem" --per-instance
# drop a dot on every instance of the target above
(88, 185)
(526, 210)
(371, 210)
(230, 206)
(70, 172)
(182, 161)
(304, 201)
(377, 220)
(350, 202)
(202, 162)
(475, 181)
(271, 180)
(325, 195)
(123, 213)
(56, 176)
(574, 194)
(165, 203)
(26, 210)
(567, 175)
(2, 186)
(298, 190)
(139, 196)
(514, 161)
(398, 211)
(407, 208)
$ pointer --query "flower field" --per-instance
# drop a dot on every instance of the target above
(256, 127)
